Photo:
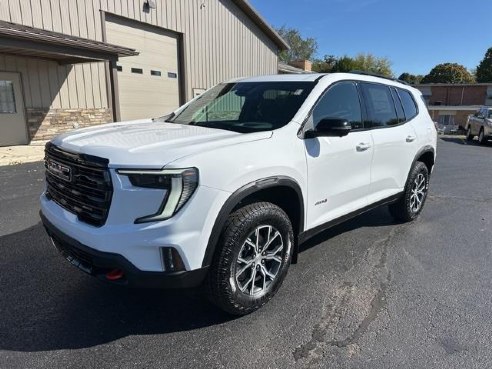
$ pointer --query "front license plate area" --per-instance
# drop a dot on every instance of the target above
(86, 268)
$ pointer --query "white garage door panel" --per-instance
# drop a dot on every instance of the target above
(144, 95)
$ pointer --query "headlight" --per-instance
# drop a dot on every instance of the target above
(180, 184)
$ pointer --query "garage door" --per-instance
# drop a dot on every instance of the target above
(148, 84)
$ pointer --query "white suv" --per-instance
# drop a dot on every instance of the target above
(221, 192)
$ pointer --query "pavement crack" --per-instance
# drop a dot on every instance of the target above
(336, 318)
(377, 304)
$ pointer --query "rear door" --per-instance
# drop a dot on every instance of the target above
(13, 130)
(339, 168)
(395, 141)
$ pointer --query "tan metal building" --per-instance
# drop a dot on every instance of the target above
(73, 63)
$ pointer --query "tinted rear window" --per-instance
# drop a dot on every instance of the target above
(398, 105)
(408, 104)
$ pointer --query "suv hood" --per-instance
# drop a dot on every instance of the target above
(149, 144)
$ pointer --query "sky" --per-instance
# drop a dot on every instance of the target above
(415, 35)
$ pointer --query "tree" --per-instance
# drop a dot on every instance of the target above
(413, 79)
(448, 73)
(300, 48)
(365, 63)
(484, 69)
(324, 65)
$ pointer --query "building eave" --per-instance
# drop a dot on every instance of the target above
(23, 40)
(251, 12)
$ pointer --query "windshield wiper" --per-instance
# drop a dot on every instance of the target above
(164, 118)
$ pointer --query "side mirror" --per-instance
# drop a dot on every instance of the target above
(330, 127)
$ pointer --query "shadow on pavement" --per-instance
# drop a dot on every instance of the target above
(46, 304)
(462, 141)
(379, 217)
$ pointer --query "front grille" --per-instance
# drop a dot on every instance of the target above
(79, 183)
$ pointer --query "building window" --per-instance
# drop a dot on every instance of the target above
(137, 70)
(155, 73)
(172, 75)
(119, 68)
(446, 120)
(7, 98)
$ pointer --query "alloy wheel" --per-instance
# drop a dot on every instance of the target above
(419, 189)
(259, 260)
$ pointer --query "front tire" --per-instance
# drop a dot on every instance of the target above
(469, 135)
(412, 202)
(252, 258)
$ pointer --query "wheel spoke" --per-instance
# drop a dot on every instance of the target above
(276, 258)
(253, 278)
(277, 250)
(263, 273)
(242, 260)
(250, 243)
(270, 240)
(257, 234)
(245, 285)
(267, 273)
(243, 269)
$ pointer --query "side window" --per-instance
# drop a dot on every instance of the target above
(408, 104)
(380, 106)
(340, 101)
(399, 108)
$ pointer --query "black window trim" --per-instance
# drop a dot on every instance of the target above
(362, 101)
(414, 103)
(397, 88)
(394, 92)
(363, 111)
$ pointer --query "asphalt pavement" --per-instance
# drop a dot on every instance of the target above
(369, 293)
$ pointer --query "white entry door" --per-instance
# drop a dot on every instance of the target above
(13, 129)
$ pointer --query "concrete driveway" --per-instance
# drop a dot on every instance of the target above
(367, 294)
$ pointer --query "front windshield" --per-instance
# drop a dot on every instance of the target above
(246, 106)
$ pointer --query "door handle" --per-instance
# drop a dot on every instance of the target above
(410, 138)
(363, 146)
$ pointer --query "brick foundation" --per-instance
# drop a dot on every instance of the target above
(44, 124)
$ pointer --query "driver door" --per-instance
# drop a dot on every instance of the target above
(339, 168)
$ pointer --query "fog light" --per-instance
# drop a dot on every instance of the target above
(171, 260)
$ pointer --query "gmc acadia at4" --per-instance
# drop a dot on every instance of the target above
(221, 192)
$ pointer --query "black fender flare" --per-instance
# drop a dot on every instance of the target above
(239, 195)
(421, 152)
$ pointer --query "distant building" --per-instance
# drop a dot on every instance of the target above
(295, 67)
(450, 104)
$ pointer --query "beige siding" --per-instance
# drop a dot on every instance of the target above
(220, 42)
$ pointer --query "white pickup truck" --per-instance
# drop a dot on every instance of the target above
(480, 124)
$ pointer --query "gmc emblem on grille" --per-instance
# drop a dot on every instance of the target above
(59, 170)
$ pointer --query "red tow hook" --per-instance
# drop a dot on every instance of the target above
(114, 275)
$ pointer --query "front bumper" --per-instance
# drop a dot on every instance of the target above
(98, 264)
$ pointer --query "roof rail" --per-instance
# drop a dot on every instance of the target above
(361, 72)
